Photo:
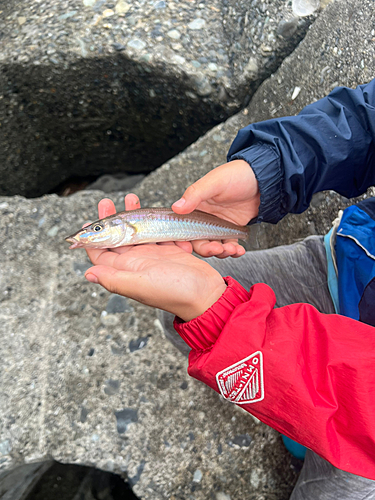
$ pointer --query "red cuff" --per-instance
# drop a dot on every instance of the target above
(202, 331)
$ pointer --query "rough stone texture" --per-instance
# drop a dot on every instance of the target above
(89, 87)
(88, 378)
(106, 389)
(338, 50)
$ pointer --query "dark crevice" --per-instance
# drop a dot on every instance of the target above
(105, 116)
(54, 480)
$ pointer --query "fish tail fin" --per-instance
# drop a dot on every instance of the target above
(252, 237)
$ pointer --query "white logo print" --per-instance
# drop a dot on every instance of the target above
(242, 382)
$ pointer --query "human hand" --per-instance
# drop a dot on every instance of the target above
(161, 275)
(231, 192)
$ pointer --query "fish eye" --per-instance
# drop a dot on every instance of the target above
(97, 227)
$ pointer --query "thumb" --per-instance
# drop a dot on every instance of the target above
(205, 188)
(111, 279)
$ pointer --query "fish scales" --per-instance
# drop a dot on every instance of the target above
(150, 225)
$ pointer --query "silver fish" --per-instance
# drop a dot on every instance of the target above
(152, 225)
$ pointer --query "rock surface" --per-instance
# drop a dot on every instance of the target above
(107, 390)
(88, 377)
(338, 50)
(91, 87)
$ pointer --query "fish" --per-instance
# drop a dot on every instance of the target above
(153, 225)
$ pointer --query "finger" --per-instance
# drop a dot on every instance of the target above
(207, 248)
(132, 202)
(106, 207)
(101, 256)
(120, 282)
(205, 188)
(230, 248)
(233, 248)
(185, 245)
(240, 251)
(223, 255)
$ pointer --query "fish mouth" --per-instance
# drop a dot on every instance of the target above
(75, 243)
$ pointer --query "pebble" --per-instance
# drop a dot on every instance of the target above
(137, 44)
(197, 24)
(109, 319)
(178, 59)
(160, 4)
(174, 34)
(197, 476)
(53, 231)
(118, 304)
(5, 447)
(220, 495)
(88, 3)
(136, 345)
(202, 86)
(108, 13)
(296, 91)
(122, 7)
(254, 479)
(124, 418)
(111, 387)
(305, 7)
(251, 66)
(21, 20)
(242, 440)
(196, 64)
(118, 46)
(4, 205)
(67, 15)
(98, 5)
(286, 29)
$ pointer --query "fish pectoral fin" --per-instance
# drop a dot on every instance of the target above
(131, 233)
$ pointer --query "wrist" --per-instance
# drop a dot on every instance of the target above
(200, 306)
(202, 332)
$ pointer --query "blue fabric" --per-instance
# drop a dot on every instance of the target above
(329, 145)
(355, 253)
(296, 449)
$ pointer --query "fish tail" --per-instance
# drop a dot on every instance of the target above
(252, 237)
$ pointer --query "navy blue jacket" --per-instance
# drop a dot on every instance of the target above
(329, 145)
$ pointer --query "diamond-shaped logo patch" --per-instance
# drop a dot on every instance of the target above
(242, 382)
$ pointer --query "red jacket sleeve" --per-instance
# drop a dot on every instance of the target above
(306, 374)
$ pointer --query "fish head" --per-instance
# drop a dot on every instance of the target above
(105, 233)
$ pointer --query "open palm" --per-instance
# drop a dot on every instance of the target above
(161, 275)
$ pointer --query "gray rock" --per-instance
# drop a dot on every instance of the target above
(124, 418)
(135, 345)
(112, 387)
(50, 377)
(90, 88)
(118, 304)
(75, 392)
(117, 182)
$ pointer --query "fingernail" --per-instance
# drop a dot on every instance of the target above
(92, 278)
(179, 203)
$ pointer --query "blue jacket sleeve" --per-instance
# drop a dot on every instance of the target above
(329, 145)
